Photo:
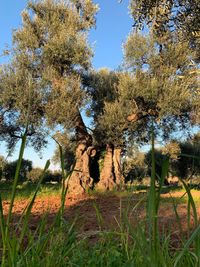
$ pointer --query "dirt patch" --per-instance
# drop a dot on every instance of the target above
(103, 212)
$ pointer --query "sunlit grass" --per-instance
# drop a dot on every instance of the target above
(27, 190)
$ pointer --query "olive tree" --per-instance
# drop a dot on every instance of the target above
(42, 85)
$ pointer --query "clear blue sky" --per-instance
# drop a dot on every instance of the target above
(113, 26)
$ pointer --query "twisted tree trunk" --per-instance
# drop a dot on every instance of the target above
(119, 179)
(80, 180)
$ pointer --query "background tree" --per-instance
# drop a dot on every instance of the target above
(35, 174)
(10, 168)
(134, 166)
(187, 167)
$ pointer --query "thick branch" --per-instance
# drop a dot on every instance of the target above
(82, 135)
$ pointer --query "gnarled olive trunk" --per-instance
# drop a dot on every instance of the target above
(106, 181)
(111, 174)
(80, 180)
(119, 179)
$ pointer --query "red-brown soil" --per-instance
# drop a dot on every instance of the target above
(102, 212)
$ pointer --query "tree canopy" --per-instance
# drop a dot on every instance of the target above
(172, 15)
(42, 83)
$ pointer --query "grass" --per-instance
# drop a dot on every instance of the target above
(137, 245)
(26, 190)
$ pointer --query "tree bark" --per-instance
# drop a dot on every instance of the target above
(107, 177)
(80, 180)
(119, 179)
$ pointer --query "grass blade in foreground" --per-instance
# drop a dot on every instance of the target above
(2, 222)
(151, 211)
(14, 187)
(29, 207)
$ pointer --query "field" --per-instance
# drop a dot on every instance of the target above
(109, 206)
(98, 221)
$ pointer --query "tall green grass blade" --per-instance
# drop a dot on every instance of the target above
(14, 187)
(178, 219)
(29, 207)
(192, 238)
(191, 201)
(188, 216)
(65, 177)
(99, 216)
(64, 188)
(16, 178)
(152, 212)
(164, 173)
(2, 221)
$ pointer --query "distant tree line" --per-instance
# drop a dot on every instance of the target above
(184, 160)
(27, 172)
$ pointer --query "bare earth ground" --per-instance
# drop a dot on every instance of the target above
(103, 212)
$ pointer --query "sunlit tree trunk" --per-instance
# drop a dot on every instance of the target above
(80, 180)
(107, 176)
(119, 179)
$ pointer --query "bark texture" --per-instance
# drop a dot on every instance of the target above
(119, 179)
(107, 176)
(111, 174)
(80, 180)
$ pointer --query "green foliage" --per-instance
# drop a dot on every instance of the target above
(10, 168)
(181, 16)
(134, 167)
(102, 89)
(158, 83)
(163, 79)
(110, 108)
(161, 73)
(159, 158)
(68, 147)
(35, 174)
(188, 167)
(21, 106)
